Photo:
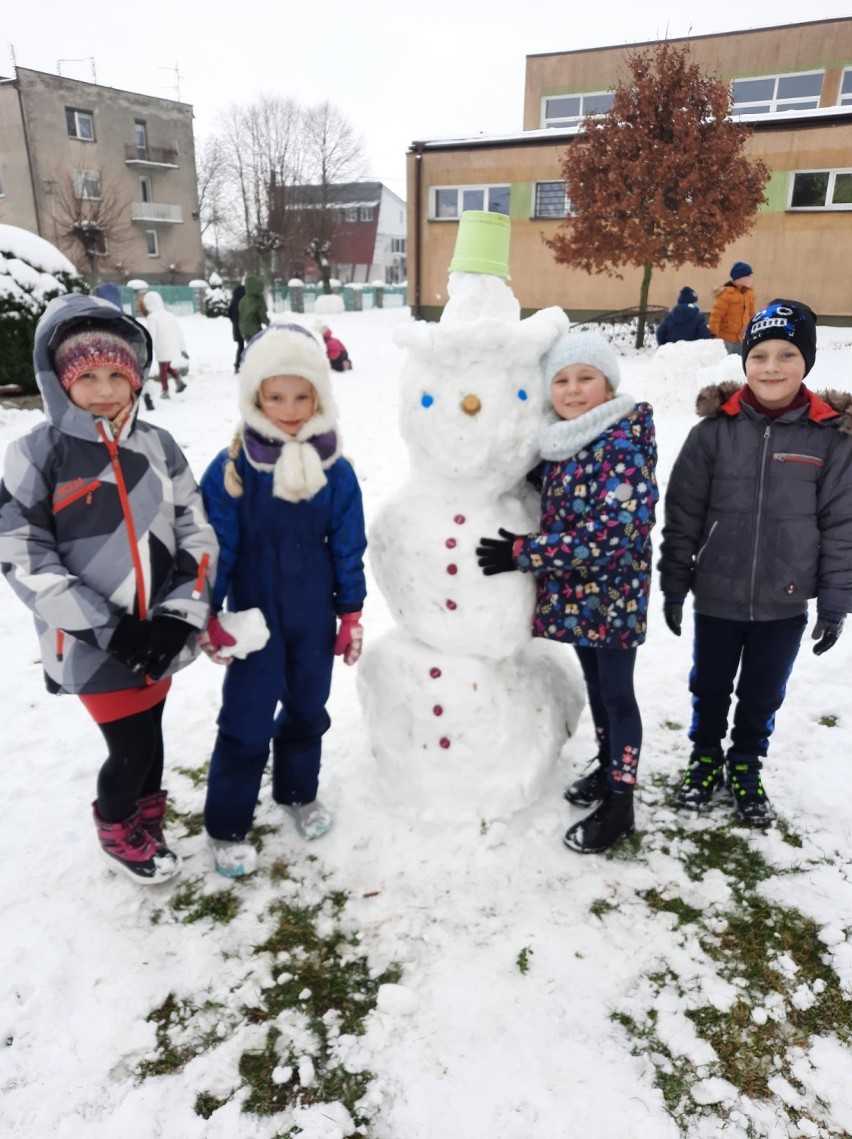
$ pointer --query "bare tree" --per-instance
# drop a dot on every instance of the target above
(91, 217)
(335, 153)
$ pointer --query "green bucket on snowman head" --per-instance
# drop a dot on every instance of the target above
(482, 244)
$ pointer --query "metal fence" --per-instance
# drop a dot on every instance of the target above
(184, 301)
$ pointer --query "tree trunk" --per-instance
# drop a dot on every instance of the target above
(643, 303)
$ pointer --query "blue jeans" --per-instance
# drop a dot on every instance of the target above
(763, 652)
(618, 726)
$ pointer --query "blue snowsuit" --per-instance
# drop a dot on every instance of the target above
(300, 563)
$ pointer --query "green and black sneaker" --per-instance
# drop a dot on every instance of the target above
(751, 801)
(703, 778)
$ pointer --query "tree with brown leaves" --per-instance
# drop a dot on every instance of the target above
(662, 177)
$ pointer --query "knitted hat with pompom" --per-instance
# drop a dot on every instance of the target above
(86, 348)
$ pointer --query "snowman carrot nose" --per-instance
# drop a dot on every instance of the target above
(470, 405)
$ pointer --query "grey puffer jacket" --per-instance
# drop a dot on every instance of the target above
(92, 527)
(758, 513)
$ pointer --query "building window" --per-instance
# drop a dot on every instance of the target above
(152, 243)
(81, 124)
(821, 190)
(140, 135)
(551, 201)
(350, 213)
(846, 88)
(449, 202)
(365, 213)
(397, 245)
(773, 93)
(146, 194)
(570, 110)
(87, 185)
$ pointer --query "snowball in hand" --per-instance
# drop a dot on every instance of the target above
(248, 627)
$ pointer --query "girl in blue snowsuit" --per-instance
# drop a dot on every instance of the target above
(286, 508)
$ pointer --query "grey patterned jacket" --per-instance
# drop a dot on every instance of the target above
(93, 528)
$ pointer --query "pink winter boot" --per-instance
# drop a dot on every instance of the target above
(152, 814)
(127, 846)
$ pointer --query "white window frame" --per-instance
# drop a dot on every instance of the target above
(776, 105)
(551, 121)
(140, 128)
(828, 205)
(87, 185)
(460, 191)
(149, 234)
(350, 214)
(844, 99)
(146, 190)
(79, 116)
(365, 213)
(567, 210)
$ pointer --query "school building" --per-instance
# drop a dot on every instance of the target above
(792, 85)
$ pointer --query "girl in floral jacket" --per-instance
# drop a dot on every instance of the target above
(592, 561)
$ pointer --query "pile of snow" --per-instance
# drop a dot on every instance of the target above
(31, 270)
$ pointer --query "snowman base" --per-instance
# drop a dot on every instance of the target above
(464, 737)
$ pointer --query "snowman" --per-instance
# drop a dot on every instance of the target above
(466, 712)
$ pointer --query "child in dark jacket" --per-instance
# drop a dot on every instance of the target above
(684, 321)
(286, 507)
(758, 519)
(592, 562)
(103, 535)
(251, 310)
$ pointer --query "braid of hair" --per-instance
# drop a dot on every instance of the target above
(233, 482)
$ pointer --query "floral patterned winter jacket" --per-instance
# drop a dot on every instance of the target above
(592, 559)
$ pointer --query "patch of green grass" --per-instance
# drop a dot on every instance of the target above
(829, 721)
(672, 726)
(176, 1045)
(771, 953)
(191, 821)
(601, 906)
(206, 1104)
(523, 959)
(196, 775)
(189, 904)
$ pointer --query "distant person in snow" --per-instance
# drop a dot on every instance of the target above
(733, 307)
(684, 321)
(591, 562)
(338, 357)
(758, 520)
(252, 309)
(167, 336)
(234, 317)
(103, 536)
(287, 508)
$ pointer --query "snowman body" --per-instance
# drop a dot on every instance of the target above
(466, 712)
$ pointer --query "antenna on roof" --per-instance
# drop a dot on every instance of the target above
(84, 59)
(176, 70)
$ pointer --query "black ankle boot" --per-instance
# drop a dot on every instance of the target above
(611, 820)
(589, 788)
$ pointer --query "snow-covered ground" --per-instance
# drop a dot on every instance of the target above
(520, 960)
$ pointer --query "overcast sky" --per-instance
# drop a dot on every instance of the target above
(401, 70)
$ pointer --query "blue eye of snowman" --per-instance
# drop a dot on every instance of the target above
(427, 400)
(522, 395)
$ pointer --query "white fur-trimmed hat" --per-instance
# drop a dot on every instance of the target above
(291, 350)
(286, 350)
(582, 348)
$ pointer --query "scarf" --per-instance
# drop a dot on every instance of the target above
(298, 465)
(563, 438)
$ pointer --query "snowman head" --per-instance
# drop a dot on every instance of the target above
(472, 397)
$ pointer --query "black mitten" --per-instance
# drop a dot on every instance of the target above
(494, 555)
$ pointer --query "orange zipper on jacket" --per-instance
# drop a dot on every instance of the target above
(87, 489)
(203, 567)
(121, 486)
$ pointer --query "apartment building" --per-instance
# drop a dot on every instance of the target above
(792, 85)
(107, 176)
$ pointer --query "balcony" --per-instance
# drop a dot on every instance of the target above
(156, 212)
(150, 156)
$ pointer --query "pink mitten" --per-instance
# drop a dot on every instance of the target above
(213, 639)
(350, 638)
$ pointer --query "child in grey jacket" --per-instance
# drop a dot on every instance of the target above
(758, 518)
(103, 536)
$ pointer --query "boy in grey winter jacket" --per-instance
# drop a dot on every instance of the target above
(103, 536)
(758, 518)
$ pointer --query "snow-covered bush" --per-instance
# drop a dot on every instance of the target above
(32, 272)
(216, 301)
